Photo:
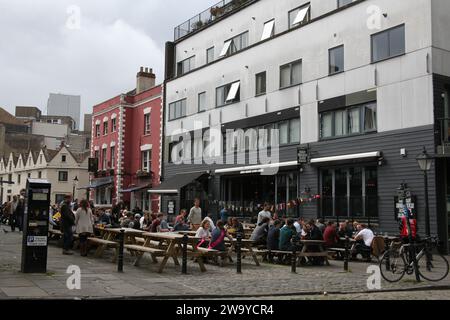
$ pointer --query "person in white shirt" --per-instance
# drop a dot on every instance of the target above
(211, 223)
(364, 239)
(204, 234)
(299, 227)
(265, 213)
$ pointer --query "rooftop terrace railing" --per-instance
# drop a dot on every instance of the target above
(207, 17)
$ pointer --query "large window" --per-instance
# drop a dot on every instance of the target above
(336, 60)
(349, 192)
(177, 109)
(299, 16)
(105, 128)
(104, 159)
(388, 44)
(228, 94)
(342, 3)
(210, 55)
(289, 131)
(235, 44)
(97, 130)
(186, 65)
(147, 160)
(350, 121)
(113, 125)
(261, 83)
(113, 157)
(63, 176)
(147, 124)
(291, 74)
(202, 102)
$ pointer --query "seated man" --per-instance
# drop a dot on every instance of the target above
(364, 239)
(330, 235)
(259, 235)
(287, 233)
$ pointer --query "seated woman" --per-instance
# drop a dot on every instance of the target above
(218, 239)
(204, 234)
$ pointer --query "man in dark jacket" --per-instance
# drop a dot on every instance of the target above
(314, 233)
(67, 222)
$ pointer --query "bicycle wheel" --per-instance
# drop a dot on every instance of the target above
(392, 266)
(432, 267)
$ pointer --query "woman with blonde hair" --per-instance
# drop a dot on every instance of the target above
(84, 221)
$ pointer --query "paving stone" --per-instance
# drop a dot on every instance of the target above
(24, 292)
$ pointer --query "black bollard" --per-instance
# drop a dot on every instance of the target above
(184, 258)
(121, 244)
(346, 254)
(294, 257)
(238, 253)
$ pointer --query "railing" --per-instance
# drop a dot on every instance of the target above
(444, 131)
(207, 17)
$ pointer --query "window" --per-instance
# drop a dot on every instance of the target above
(59, 198)
(227, 94)
(336, 60)
(96, 155)
(291, 74)
(235, 44)
(289, 131)
(104, 159)
(29, 175)
(87, 143)
(177, 109)
(113, 125)
(201, 101)
(63, 158)
(388, 44)
(97, 130)
(209, 55)
(113, 157)
(342, 3)
(19, 178)
(63, 176)
(10, 177)
(40, 175)
(40, 159)
(350, 121)
(269, 30)
(105, 128)
(349, 192)
(299, 16)
(147, 161)
(147, 124)
(185, 66)
(261, 83)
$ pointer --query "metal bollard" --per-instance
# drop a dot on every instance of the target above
(238, 253)
(121, 244)
(346, 254)
(184, 253)
(294, 258)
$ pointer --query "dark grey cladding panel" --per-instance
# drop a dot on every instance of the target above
(347, 100)
(396, 170)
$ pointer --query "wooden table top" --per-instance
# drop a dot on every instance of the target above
(165, 235)
(126, 230)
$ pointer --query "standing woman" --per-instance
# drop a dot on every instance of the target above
(84, 221)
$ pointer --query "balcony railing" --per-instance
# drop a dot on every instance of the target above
(208, 16)
(444, 131)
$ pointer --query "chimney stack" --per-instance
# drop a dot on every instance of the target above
(145, 80)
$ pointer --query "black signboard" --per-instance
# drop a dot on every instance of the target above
(302, 156)
(93, 165)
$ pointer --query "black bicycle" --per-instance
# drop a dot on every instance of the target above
(397, 261)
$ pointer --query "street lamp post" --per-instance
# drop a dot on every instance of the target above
(425, 161)
(75, 182)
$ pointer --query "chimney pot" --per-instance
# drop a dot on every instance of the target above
(142, 69)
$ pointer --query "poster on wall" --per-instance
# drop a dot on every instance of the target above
(171, 207)
(411, 204)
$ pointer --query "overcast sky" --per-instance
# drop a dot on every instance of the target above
(45, 48)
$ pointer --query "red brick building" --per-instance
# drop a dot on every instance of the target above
(126, 139)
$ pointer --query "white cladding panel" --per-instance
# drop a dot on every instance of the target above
(311, 44)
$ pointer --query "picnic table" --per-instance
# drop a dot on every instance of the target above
(246, 246)
(318, 250)
(174, 245)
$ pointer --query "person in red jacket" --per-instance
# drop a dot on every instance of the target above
(403, 225)
(330, 235)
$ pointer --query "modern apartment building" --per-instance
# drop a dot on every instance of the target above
(357, 88)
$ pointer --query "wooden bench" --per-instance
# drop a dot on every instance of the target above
(103, 245)
(139, 252)
(340, 252)
(54, 234)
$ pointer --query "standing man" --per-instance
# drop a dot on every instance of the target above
(265, 213)
(12, 213)
(20, 210)
(195, 215)
(67, 222)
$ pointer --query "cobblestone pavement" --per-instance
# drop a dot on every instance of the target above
(100, 279)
